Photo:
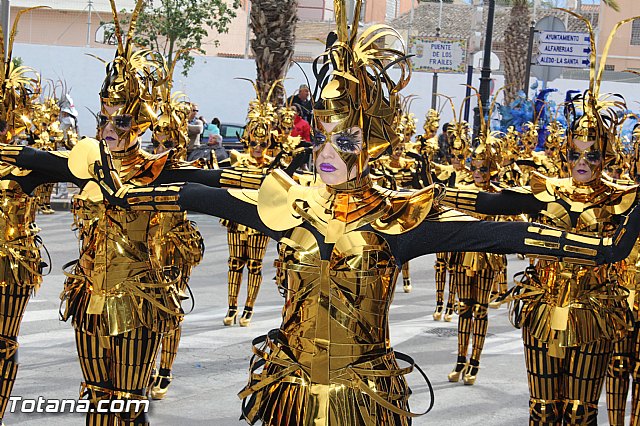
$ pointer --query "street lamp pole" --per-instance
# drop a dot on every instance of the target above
(485, 73)
(434, 84)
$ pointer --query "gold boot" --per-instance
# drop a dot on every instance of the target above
(448, 313)
(459, 370)
(231, 317)
(437, 314)
(245, 320)
(471, 372)
(159, 391)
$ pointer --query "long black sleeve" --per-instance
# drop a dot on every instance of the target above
(220, 203)
(460, 234)
(54, 166)
(506, 202)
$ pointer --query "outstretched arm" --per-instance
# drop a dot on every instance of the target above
(452, 231)
(229, 177)
(511, 201)
(55, 165)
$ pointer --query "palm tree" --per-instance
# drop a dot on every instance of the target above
(273, 23)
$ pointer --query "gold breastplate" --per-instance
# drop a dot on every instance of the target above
(117, 283)
(337, 309)
(19, 253)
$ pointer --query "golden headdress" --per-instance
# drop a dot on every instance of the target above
(19, 88)
(133, 77)
(261, 116)
(600, 113)
(360, 92)
(458, 131)
(173, 116)
(431, 121)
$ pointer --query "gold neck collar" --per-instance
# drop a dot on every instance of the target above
(354, 186)
(127, 154)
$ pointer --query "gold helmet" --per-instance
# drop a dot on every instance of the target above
(170, 126)
(431, 122)
(486, 157)
(286, 115)
(360, 92)
(261, 118)
(19, 88)
(132, 84)
(592, 117)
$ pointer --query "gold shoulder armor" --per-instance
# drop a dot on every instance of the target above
(544, 188)
(235, 157)
(275, 198)
(406, 211)
(623, 196)
(82, 157)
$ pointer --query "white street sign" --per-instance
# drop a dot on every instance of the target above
(564, 37)
(442, 55)
(563, 49)
(563, 61)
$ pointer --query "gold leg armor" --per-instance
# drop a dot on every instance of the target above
(456, 275)
(121, 370)
(544, 374)
(406, 279)
(237, 259)
(465, 313)
(635, 392)
(618, 374)
(482, 283)
(256, 249)
(441, 279)
(14, 300)
(168, 353)
(575, 380)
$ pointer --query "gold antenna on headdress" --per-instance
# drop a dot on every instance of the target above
(117, 31)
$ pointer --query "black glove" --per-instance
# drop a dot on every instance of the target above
(160, 198)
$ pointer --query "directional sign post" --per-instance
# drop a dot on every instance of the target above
(563, 49)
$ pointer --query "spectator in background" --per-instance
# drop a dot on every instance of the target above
(443, 155)
(300, 126)
(210, 129)
(215, 142)
(194, 128)
(304, 102)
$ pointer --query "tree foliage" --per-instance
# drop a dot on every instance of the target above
(180, 27)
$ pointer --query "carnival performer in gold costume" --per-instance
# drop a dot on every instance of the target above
(246, 245)
(331, 361)
(20, 261)
(180, 245)
(398, 171)
(456, 175)
(478, 272)
(625, 361)
(119, 295)
(570, 314)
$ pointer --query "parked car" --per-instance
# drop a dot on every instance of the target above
(230, 136)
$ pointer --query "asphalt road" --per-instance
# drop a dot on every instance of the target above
(212, 364)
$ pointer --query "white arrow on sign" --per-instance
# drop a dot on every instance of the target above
(563, 37)
(563, 61)
(564, 49)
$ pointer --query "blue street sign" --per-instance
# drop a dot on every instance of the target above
(563, 49)
(564, 37)
(563, 61)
